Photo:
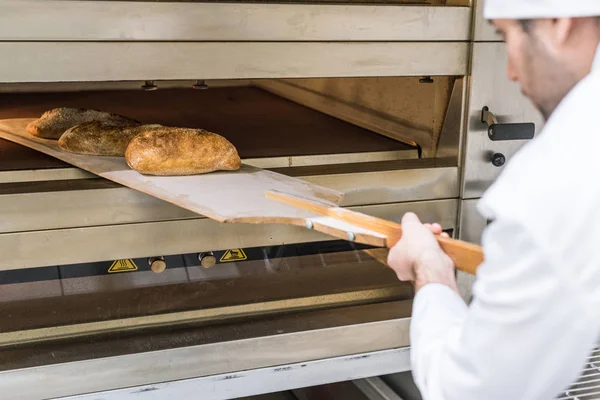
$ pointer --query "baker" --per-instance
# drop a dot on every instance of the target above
(535, 316)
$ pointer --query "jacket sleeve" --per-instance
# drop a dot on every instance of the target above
(523, 337)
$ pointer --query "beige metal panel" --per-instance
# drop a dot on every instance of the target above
(332, 159)
(392, 186)
(132, 21)
(104, 61)
(40, 175)
(451, 136)
(168, 354)
(80, 208)
(471, 226)
(490, 87)
(472, 223)
(374, 104)
(202, 350)
(77, 245)
(484, 31)
(103, 374)
(285, 377)
(276, 341)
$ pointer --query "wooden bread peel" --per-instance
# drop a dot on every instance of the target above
(466, 256)
(239, 196)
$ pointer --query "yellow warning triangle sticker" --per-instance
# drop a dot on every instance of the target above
(122, 266)
(234, 255)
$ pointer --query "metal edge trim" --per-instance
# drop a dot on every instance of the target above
(271, 379)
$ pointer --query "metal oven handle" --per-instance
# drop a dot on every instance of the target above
(496, 131)
(501, 132)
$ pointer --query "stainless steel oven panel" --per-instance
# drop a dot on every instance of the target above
(288, 343)
(268, 380)
(35, 20)
(489, 87)
(134, 240)
(127, 61)
(471, 227)
(20, 212)
(483, 30)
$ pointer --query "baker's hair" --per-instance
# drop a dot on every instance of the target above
(526, 24)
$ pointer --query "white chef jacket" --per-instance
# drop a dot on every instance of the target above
(535, 316)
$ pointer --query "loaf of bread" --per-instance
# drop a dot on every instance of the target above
(100, 139)
(181, 151)
(52, 124)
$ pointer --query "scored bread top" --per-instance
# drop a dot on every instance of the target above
(181, 151)
(100, 139)
(52, 124)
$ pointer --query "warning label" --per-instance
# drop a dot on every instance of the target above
(234, 255)
(122, 266)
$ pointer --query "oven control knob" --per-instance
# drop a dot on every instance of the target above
(207, 260)
(157, 264)
(498, 159)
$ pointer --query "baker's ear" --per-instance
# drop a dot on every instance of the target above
(562, 30)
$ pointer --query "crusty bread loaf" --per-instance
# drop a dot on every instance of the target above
(100, 139)
(52, 124)
(181, 151)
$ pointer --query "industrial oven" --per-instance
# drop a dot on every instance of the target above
(106, 292)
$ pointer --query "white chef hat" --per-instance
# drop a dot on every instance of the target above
(536, 9)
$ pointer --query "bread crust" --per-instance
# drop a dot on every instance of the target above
(52, 124)
(100, 139)
(181, 151)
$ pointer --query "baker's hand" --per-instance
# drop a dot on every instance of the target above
(418, 257)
